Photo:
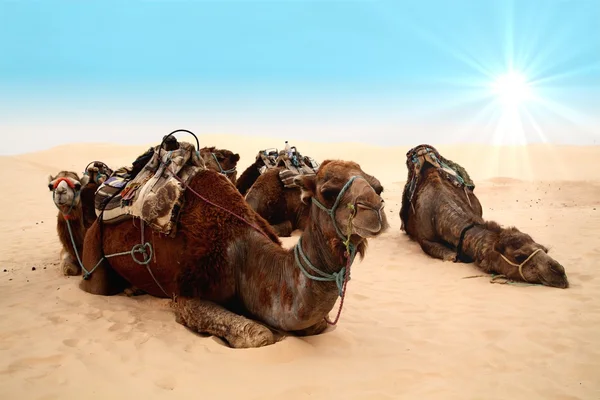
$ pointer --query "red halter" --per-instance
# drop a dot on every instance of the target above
(59, 180)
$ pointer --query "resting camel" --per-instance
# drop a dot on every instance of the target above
(221, 160)
(446, 220)
(225, 268)
(282, 206)
(74, 198)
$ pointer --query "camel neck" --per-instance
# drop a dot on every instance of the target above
(287, 298)
(75, 221)
(478, 242)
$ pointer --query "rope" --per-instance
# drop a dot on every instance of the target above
(224, 172)
(341, 277)
(495, 278)
(218, 206)
(520, 266)
(145, 248)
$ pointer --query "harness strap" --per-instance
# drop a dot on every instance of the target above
(459, 253)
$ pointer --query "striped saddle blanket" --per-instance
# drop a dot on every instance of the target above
(149, 189)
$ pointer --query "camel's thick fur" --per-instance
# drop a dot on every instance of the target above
(231, 280)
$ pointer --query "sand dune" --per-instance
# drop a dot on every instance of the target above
(412, 327)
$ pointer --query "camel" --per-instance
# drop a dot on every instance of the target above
(74, 198)
(447, 222)
(226, 270)
(251, 174)
(268, 159)
(221, 160)
(282, 206)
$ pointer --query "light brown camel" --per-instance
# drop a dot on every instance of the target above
(226, 268)
(74, 198)
(282, 206)
(448, 224)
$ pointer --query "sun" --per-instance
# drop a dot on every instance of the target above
(512, 89)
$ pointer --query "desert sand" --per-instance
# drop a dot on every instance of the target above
(411, 328)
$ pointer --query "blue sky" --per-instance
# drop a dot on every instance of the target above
(380, 71)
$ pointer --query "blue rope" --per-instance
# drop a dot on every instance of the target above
(145, 248)
(337, 277)
(224, 172)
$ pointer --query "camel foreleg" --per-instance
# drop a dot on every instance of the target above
(207, 317)
(437, 250)
(68, 265)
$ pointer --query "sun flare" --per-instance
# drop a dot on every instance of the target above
(512, 89)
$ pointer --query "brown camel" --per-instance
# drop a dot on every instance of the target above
(221, 160)
(74, 198)
(282, 206)
(447, 222)
(226, 269)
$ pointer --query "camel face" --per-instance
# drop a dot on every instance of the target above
(66, 187)
(521, 251)
(346, 189)
(221, 160)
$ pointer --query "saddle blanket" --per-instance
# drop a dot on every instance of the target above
(149, 190)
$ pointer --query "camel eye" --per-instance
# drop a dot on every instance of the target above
(520, 258)
(50, 186)
(77, 185)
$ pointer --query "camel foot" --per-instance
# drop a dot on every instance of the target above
(133, 291)
(69, 266)
(316, 329)
(254, 335)
(450, 258)
(206, 317)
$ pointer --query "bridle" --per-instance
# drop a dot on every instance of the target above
(341, 277)
(520, 266)
(76, 193)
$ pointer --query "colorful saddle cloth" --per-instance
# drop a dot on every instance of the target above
(149, 189)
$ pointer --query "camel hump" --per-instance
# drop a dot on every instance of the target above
(151, 189)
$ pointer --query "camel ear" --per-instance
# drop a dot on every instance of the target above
(235, 157)
(84, 180)
(50, 179)
(374, 182)
(308, 185)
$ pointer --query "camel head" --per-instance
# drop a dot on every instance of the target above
(350, 196)
(221, 160)
(66, 187)
(529, 260)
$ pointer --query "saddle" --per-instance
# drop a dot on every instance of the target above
(148, 189)
(292, 166)
(424, 155)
